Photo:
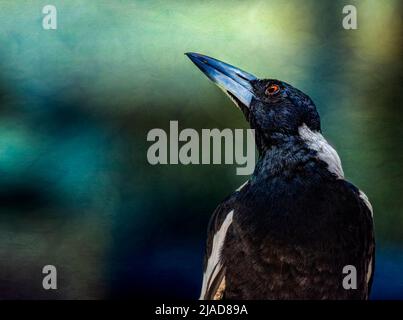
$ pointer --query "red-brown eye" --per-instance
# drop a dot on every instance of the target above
(272, 89)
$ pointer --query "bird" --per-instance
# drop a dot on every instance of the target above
(291, 230)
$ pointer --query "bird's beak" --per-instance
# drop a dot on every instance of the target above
(233, 81)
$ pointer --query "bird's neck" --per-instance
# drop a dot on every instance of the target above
(306, 153)
(290, 155)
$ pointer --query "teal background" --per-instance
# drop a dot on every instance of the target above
(76, 104)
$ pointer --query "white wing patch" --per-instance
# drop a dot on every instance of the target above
(243, 185)
(364, 198)
(213, 263)
(325, 151)
(369, 272)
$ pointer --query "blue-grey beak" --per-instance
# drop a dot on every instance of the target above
(233, 81)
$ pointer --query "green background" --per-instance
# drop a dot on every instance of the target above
(76, 104)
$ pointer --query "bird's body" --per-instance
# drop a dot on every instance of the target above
(290, 231)
(294, 226)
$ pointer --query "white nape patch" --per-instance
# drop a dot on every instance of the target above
(243, 185)
(213, 263)
(364, 198)
(326, 152)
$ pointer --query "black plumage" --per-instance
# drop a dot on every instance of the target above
(292, 228)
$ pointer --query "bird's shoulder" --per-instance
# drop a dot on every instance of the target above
(322, 227)
(287, 208)
(217, 219)
(213, 270)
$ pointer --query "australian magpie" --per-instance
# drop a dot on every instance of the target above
(292, 228)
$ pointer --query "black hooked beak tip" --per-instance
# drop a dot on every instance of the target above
(233, 81)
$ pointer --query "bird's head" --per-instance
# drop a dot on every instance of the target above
(275, 109)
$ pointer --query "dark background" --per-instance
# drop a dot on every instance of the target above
(76, 104)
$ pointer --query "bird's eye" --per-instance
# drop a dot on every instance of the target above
(272, 89)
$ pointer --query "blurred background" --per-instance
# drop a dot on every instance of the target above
(76, 104)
